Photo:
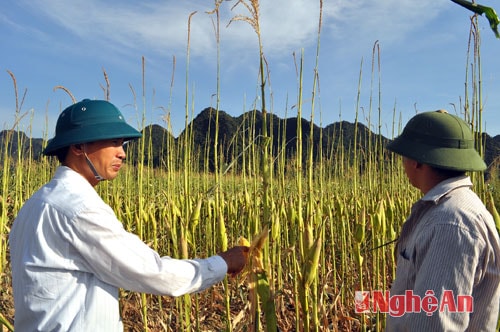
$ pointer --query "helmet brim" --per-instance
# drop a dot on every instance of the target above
(96, 132)
(440, 157)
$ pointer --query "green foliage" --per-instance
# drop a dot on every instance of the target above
(489, 12)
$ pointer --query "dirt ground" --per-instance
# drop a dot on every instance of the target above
(208, 309)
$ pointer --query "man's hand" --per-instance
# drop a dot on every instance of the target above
(236, 258)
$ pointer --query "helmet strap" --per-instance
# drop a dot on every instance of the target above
(91, 166)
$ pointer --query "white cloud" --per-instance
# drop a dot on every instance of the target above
(161, 26)
(133, 26)
(284, 25)
(366, 21)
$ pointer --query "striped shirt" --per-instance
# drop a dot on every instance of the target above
(70, 254)
(448, 245)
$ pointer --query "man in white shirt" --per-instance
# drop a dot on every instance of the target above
(69, 252)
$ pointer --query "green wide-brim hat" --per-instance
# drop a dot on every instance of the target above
(439, 139)
(89, 121)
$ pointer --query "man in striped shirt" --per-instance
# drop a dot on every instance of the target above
(448, 251)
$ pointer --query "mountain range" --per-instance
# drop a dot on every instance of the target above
(238, 133)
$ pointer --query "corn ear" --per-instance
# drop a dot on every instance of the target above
(267, 299)
(311, 265)
(243, 242)
(195, 215)
(222, 231)
(357, 255)
(359, 233)
(254, 253)
(359, 229)
(259, 283)
(175, 210)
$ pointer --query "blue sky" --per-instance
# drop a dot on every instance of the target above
(423, 55)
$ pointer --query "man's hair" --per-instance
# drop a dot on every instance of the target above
(61, 154)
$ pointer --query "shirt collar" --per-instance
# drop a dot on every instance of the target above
(444, 187)
(65, 172)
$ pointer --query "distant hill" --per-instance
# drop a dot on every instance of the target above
(235, 134)
(19, 142)
(238, 133)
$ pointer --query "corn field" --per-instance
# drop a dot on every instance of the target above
(320, 228)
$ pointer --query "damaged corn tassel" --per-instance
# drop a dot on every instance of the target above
(258, 284)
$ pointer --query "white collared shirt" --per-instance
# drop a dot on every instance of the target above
(70, 254)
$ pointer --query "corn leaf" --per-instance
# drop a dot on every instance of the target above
(489, 12)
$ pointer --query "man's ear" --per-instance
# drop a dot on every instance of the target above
(76, 149)
(419, 165)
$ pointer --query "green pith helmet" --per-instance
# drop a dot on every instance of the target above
(89, 121)
(439, 139)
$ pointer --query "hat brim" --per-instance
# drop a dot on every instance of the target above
(440, 157)
(97, 132)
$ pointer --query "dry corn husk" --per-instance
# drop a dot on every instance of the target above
(258, 282)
